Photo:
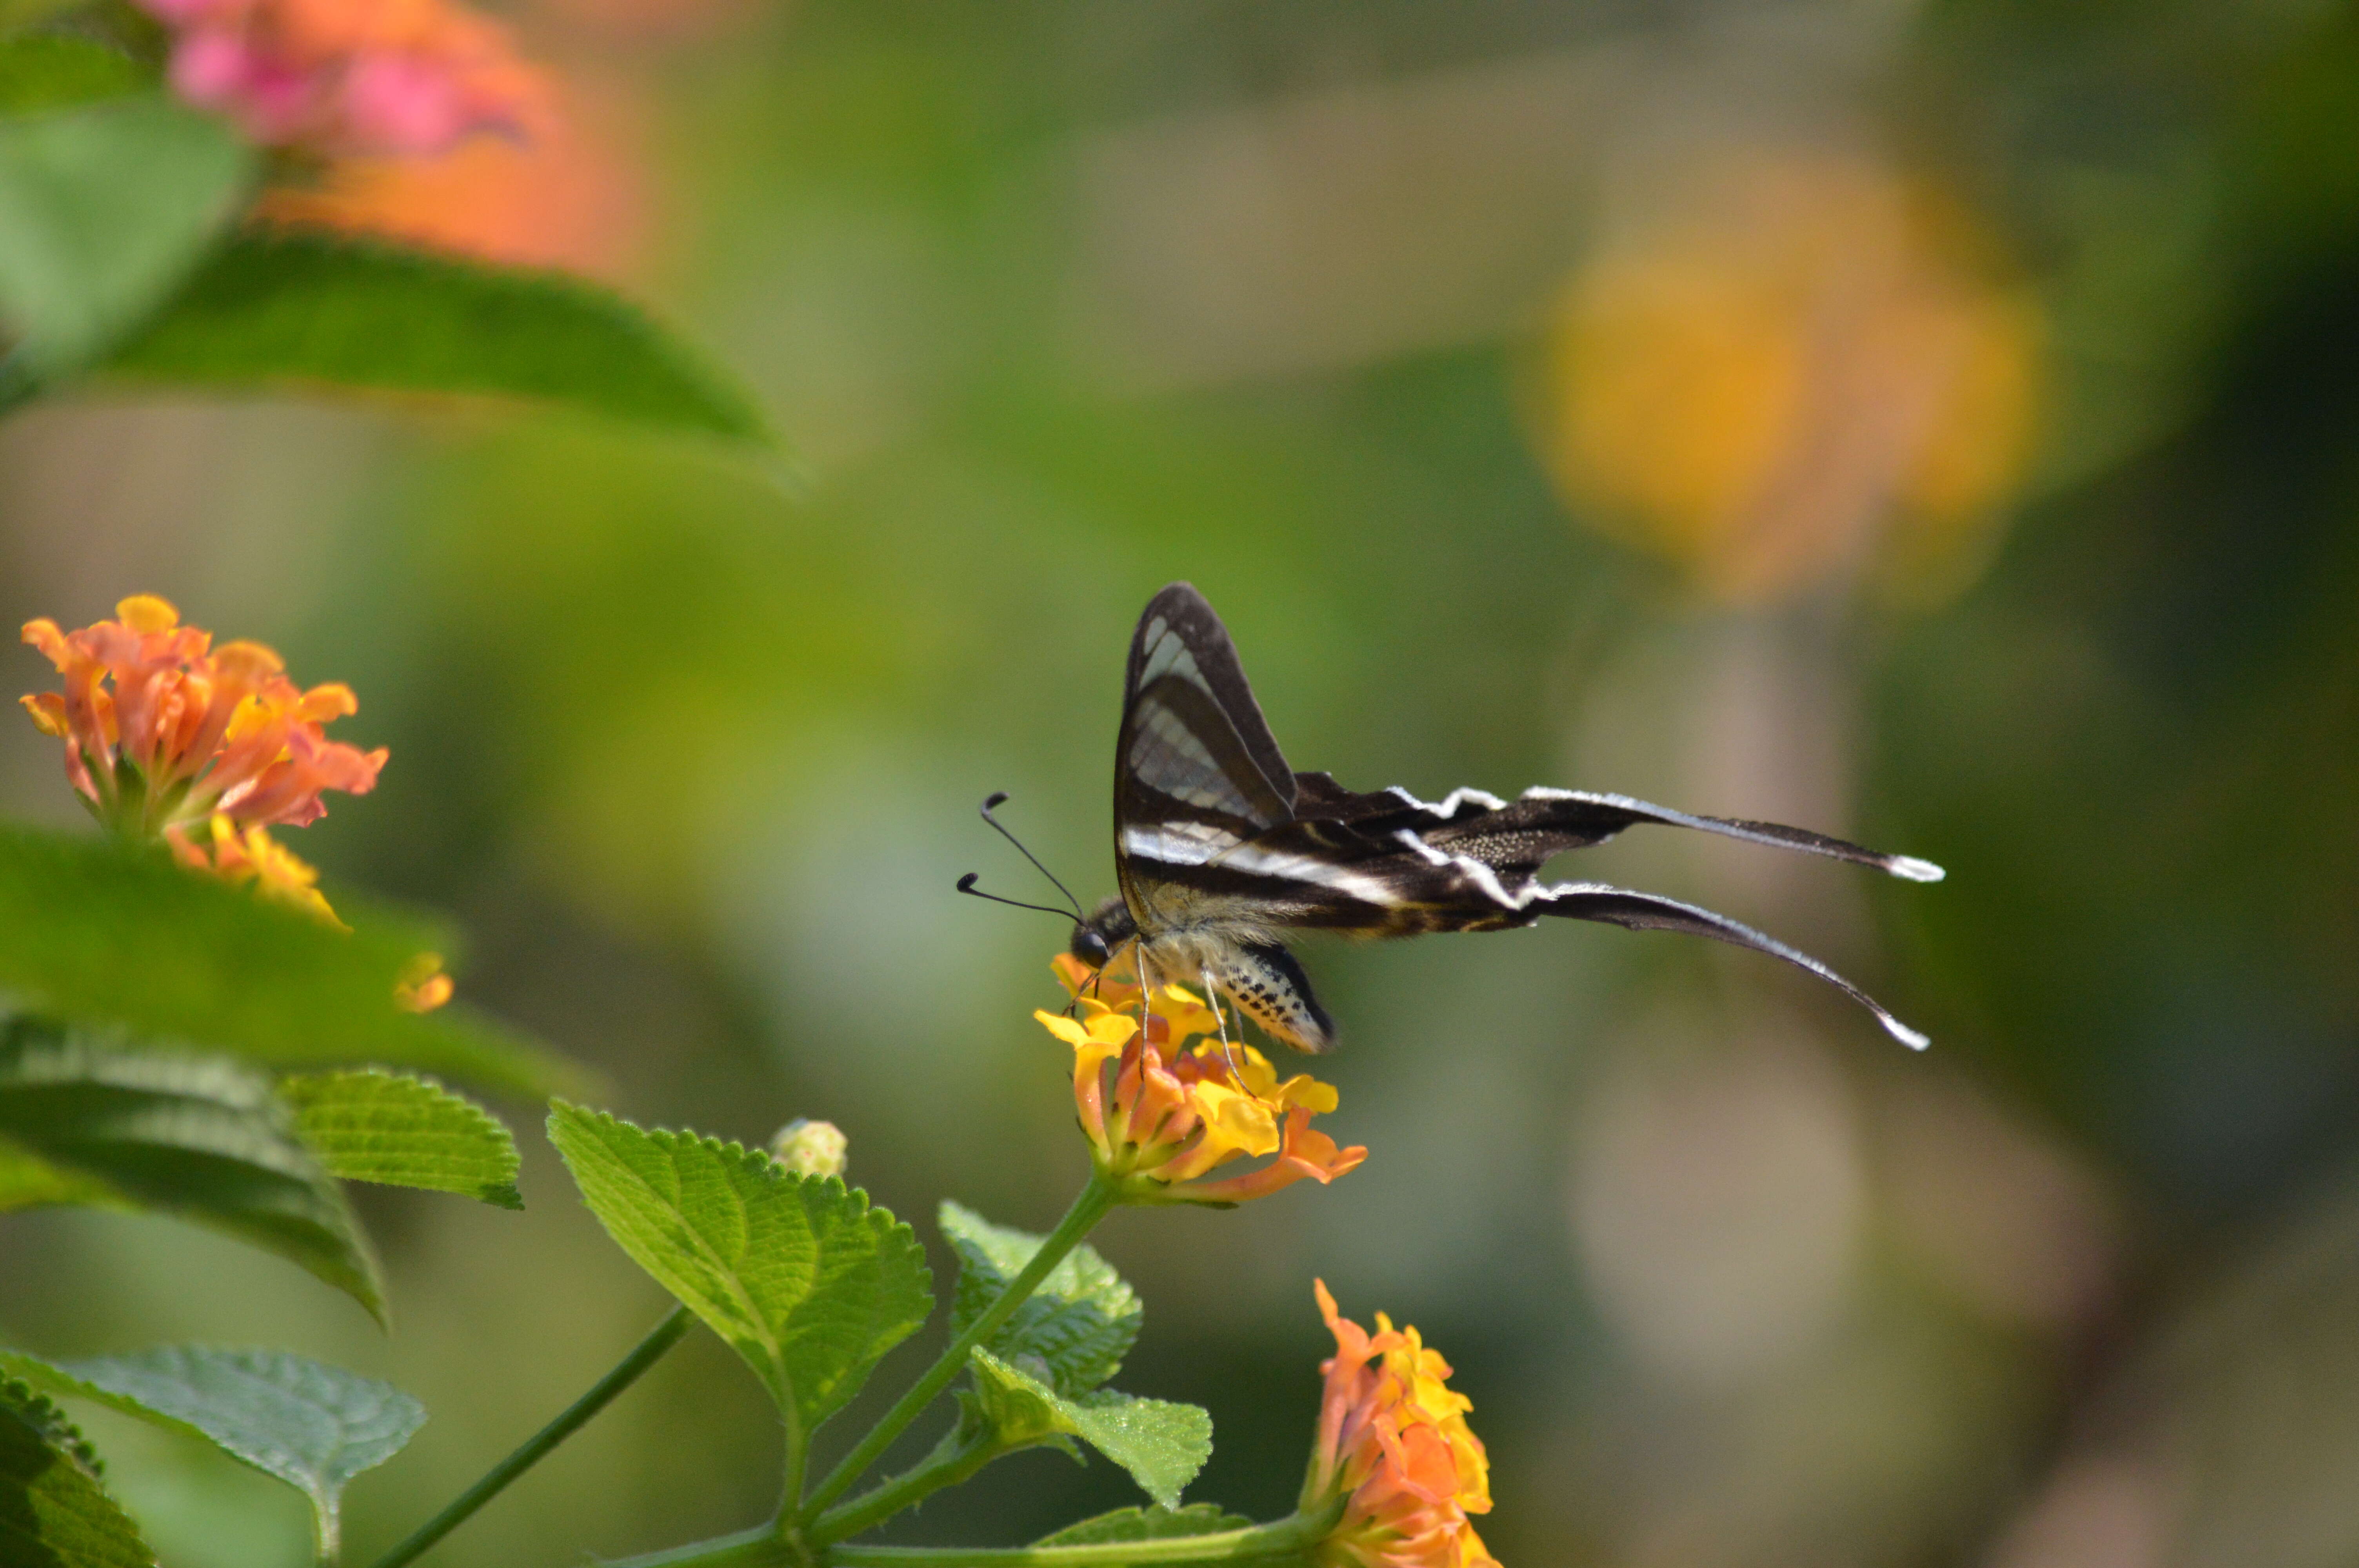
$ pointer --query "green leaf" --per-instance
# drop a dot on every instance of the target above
(199, 1138)
(807, 1281)
(405, 1131)
(1147, 1524)
(103, 211)
(49, 70)
(98, 931)
(1081, 1323)
(53, 1511)
(303, 310)
(309, 1424)
(1161, 1445)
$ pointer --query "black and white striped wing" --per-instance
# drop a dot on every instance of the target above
(1218, 841)
(1471, 862)
(1197, 772)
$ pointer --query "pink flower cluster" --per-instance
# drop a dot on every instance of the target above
(343, 77)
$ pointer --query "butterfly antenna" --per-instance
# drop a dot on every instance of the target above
(991, 803)
(966, 885)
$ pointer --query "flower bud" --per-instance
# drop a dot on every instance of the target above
(810, 1148)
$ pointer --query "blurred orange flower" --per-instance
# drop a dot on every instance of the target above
(1161, 1115)
(423, 986)
(161, 728)
(1394, 1444)
(575, 196)
(351, 76)
(1790, 371)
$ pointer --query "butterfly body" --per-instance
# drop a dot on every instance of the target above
(1223, 851)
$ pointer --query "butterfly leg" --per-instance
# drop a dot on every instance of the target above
(1145, 999)
(1221, 1019)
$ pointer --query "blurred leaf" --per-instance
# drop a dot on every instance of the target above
(102, 212)
(405, 1131)
(808, 1282)
(1080, 1323)
(196, 1137)
(218, 967)
(301, 309)
(1147, 1524)
(311, 1425)
(53, 1512)
(1161, 1445)
(49, 70)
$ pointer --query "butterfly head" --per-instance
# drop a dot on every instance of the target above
(1098, 936)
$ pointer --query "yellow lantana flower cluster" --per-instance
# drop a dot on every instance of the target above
(1161, 1114)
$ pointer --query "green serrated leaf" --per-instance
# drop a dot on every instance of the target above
(81, 916)
(1081, 1321)
(49, 70)
(53, 1511)
(103, 209)
(311, 1425)
(808, 1282)
(405, 1131)
(197, 1136)
(1162, 1444)
(305, 310)
(1147, 1524)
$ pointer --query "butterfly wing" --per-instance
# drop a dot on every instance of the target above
(1196, 770)
(1222, 849)
(1197, 777)
(1524, 833)
(1471, 862)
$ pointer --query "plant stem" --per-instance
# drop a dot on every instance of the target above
(758, 1548)
(881, 1503)
(645, 1354)
(1287, 1538)
(1096, 1200)
(1285, 1541)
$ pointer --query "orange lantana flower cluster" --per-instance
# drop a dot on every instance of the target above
(208, 749)
(1394, 1444)
(1161, 1114)
(163, 730)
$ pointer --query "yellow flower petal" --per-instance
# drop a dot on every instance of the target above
(1113, 1028)
(146, 612)
(1233, 1123)
(1307, 1092)
(1063, 1028)
(1183, 1014)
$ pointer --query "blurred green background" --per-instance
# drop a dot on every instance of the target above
(1933, 422)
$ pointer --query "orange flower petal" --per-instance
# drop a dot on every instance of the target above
(322, 703)
(44, 635)
(49, 711)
